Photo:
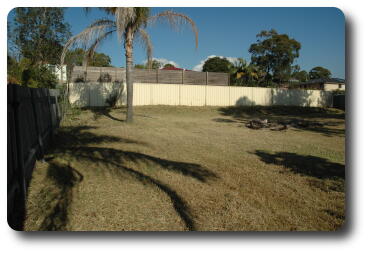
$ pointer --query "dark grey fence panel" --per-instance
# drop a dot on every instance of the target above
(30, 128)
(339, 101)
(97, 74)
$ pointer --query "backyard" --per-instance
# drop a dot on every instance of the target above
(191, 168)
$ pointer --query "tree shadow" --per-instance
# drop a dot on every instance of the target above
(320, 120)
(318, 168)
(77, 142)
(65, 178)
(104, 111)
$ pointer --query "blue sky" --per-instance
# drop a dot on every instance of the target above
(230, 31)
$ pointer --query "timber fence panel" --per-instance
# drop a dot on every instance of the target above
(158, 76)
(170, 76)
(194, 78)
(218, 79)
(32, 118)
(145, 76)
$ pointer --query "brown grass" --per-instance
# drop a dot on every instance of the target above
(191, 168)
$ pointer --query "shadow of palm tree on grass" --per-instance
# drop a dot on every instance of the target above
(104, 111)
(65, 178)
(77, 142)
(318, 168)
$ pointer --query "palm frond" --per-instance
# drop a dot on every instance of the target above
(87, 37)
(101, 22)
(176, 20)
(123, 16)
(145, 39)
(92, 49)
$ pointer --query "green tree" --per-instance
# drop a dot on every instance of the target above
(302, 76)
(275, 53)
(217, 64)
(168, 65)
(128, 23)
(319, 72)
(40, 33)
(243, 74)
(140, 66)
(154, 64)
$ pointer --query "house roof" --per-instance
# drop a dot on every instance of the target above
(171, 68)
(325, 81)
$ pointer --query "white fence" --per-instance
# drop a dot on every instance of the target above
(96, 95)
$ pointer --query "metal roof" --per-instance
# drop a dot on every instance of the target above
(324, 80)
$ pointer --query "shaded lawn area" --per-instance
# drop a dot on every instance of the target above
(191, 168)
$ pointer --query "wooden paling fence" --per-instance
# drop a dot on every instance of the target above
(112, 74)
(33, 116)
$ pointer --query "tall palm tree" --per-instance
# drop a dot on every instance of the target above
(129, 24)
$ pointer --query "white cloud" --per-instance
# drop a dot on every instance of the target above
(199, 66)
(163, 61)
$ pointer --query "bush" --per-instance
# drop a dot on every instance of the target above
(26, 74)
(38, 76)
(105, 77)
(112, 100)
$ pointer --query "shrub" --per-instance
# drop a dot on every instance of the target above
(105, 77)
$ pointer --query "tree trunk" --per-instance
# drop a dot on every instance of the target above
(129, 73)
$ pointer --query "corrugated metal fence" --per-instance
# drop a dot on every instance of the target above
(96, 95)
(33, 116)
(112, 74)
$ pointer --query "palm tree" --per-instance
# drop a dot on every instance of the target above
(129, 24)
(246, 74)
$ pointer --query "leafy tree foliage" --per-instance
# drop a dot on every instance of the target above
(76, 57)
(40, 33)
(154, 65)
(217, 64)
(26, 74)
(168, 65)
(243, 74)
(140, 66)
(319, 72)
(37, 38)
(275, 53)
(302, 76)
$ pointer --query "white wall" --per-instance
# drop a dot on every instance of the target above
(95, 95)
(332, 87)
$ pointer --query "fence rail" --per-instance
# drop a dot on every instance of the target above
(112, 74)
(33, 115)
(97, 95)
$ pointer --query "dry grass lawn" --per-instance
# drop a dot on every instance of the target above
(191, 168)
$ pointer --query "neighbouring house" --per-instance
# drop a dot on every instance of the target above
(59, 71)
(171, 68)
(327, 84)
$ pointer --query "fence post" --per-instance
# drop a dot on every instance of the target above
(100, 78)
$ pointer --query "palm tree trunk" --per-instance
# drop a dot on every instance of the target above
(129, 73)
